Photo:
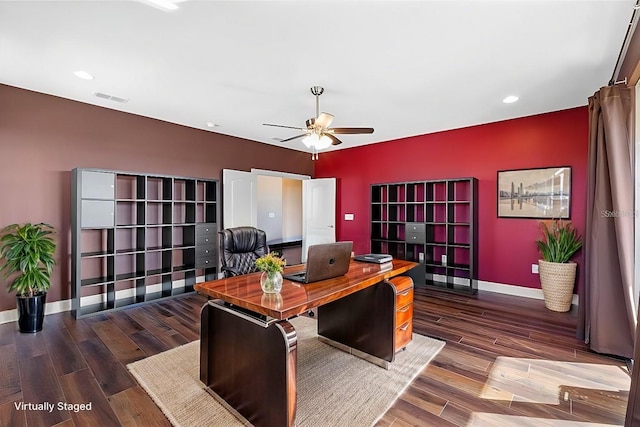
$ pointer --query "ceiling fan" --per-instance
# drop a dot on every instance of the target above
(318, 135)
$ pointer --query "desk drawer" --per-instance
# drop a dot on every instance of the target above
(404, 298)
(206, 239)
(401, 283)
(206, 234)
(416, 227)
(404, 334)
(417, 238)
(404, 311)
(205, 262)
(206, 251)
(206, 228)
(404, 290)
(404, 314)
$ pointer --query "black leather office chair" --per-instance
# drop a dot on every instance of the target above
(240, 247)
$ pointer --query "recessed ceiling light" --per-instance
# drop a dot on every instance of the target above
(83, 75)
(212, 125)
(510, 99)
(164, 4)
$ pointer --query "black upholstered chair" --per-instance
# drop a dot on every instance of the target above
(240, 247)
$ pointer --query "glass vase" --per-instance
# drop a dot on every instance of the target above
(271, 300)
(271, 282)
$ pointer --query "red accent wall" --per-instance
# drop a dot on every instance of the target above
(507, 246)
(42, 138)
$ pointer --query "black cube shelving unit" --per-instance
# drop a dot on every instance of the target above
(433, 223)
(139, 237)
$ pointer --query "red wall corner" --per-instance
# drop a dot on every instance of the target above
(507, 246)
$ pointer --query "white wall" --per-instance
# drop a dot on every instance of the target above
(279, 203)
(269, 195)
(291, 208)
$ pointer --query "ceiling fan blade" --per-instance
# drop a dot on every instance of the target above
(294, 137)
(349, 131)
(334, 140)
(324, 120)
(282, 126)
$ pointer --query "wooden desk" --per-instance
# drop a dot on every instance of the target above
(248, 351)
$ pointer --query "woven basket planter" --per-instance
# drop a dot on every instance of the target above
(557, 280)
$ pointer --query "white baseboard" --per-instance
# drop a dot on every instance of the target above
(49, 308)
(519, 291)
(65, 305)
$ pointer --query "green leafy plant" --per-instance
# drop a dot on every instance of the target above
(560, 241)
(271, 263)
(27, 251)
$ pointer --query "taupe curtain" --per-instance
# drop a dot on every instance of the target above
(607, 313)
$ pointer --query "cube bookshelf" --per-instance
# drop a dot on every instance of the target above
(139, 237)
(433, 223)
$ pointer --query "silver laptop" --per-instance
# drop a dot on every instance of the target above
(324, 261)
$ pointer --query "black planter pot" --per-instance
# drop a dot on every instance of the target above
(31, 312)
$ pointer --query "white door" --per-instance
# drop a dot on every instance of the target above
(239, 199)
(318, 212)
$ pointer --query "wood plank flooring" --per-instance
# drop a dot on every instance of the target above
(507, 361)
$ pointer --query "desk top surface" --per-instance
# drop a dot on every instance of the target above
(297, 298)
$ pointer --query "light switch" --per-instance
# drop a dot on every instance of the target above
(348, 217)
(272, 214)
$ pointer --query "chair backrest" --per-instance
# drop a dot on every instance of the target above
(240, 247)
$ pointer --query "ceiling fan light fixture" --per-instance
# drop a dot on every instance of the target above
(317, 135)
(317, 142)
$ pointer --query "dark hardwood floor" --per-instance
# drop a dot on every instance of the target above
(477, 379)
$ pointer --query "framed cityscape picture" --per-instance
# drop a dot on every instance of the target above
(535, 193)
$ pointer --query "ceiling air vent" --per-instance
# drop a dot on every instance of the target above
(110, 97)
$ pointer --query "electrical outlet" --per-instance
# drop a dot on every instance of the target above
(443, 258)
(348, 217)
(534, 268)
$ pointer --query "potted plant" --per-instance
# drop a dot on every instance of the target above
(271, 266)
(26, 253)
(560, 241)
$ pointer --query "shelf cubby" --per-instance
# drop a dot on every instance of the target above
(97, 242)
(130, 187)
(415, 212)
(184, 190)
(415, 192)
(184, 213)
(397, 212)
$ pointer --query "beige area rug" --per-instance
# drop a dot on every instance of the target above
(334, 388)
